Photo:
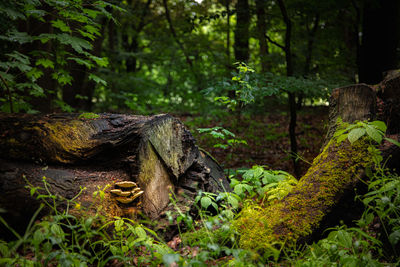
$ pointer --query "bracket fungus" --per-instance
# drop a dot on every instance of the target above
(127, 192)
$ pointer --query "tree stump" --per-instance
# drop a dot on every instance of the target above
(321, 197)
(109, 152)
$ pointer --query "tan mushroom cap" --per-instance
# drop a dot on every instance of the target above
(121, 193)
(137, 189)
(126, 184)
(126, 200)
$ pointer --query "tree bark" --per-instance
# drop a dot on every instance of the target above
(241, 45)
(156, 152)
(380, 39)
(262, 29)
(325, 194)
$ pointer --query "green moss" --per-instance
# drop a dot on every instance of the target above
(337, 168)
(70, 138)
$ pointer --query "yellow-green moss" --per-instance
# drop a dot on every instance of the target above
(70, 138)
(338, 167)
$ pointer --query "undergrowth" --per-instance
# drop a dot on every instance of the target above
(211, 239)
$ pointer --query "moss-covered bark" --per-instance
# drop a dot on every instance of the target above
(337, 169)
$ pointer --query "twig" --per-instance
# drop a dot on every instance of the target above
(275, 43)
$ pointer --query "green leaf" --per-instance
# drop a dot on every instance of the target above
(97, 79)
(233, 202)
(205, 202)
(380, 125)
(392, 141)
(394, 237)
(355, 134)
(56, 230)
(374, 134)
(46, 63)
(170, 259)
(341, 138)
(59, 24)
(78, 44)
(217, 134)
(83, 62)
(114, 250)
(140, 232)
(100, 61)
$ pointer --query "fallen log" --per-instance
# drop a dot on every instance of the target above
(107, 153)
(318, 199)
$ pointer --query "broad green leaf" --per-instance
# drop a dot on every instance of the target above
(205, 202)
(380, 125)
(141, 233)
(374, 134)
(233, 202)
(355, 134)
(394, 237)
(56, 230)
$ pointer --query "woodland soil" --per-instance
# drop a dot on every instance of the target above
(267, 138)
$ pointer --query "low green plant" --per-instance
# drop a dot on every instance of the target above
(343, 247)
(263, 184)
(88, 115)
(375, 130)
(228, 139)
(65, 239)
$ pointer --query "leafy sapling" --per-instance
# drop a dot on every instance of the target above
(219, 132)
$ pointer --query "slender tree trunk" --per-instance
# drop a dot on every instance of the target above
(261, 30)
(242, 35)
(310, 47)
(291, 95)
(179, 43)
(228, 32)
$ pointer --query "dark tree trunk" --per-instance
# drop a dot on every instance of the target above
(291, 95)
(157, 152)
(241, 45)
(261, 31)
(380, 39)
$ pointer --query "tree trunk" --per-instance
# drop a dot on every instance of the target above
(156, 152)
(241, 45)
(380, 39)
(325, 194)
(261, 30)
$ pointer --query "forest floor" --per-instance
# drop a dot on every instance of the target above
(266, 136)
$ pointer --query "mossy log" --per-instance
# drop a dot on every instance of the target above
(325, 194)
(156, 152)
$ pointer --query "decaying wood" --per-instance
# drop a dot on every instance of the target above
(156, 152)
(333, 174)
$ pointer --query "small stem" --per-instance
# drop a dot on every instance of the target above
(9, 94)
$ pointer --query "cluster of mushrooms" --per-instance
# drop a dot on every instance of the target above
(126, 192)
